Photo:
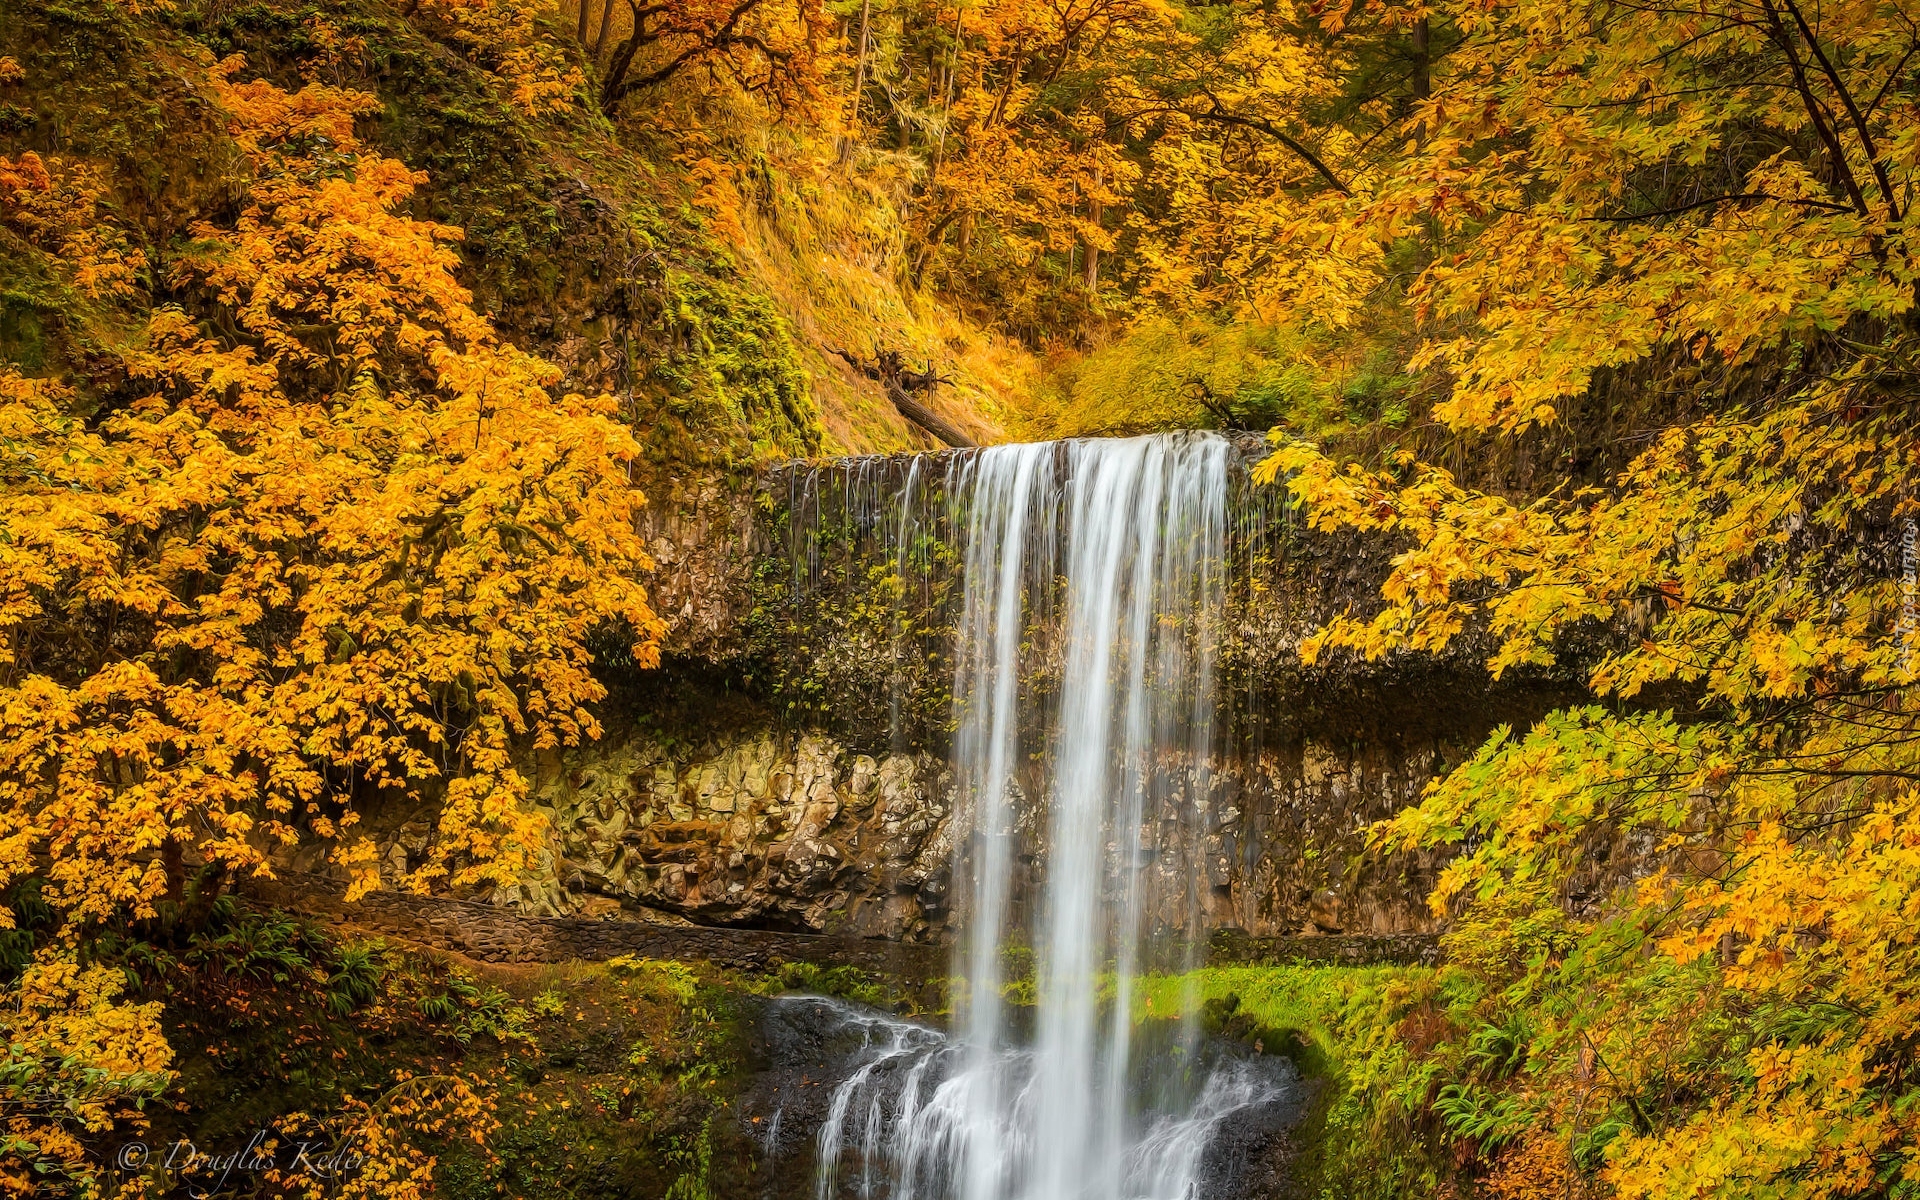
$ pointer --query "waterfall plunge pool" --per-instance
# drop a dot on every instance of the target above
(851, 1103)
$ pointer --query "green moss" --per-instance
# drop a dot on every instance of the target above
(608, 1080)
(845, 983)
(103, 86)
(1354, 1030)
(854, 644)
(28, 303)
(491, 169)
(732, 374)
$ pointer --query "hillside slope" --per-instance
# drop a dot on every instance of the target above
(692, 261)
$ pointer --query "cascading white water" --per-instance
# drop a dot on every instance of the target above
(1098, 562)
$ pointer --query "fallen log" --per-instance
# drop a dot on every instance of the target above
(890, 369)
(926, 418)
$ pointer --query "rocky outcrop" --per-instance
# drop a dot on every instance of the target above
(701, 534)
(746, 824)
(758, 827)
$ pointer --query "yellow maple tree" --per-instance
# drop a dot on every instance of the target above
(1710, 204)
(333, 540)
(79, 1061)
(502, 37)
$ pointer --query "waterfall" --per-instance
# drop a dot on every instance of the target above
(1092, 578)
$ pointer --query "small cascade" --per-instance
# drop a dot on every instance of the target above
(1086, 584)
(906, 1120)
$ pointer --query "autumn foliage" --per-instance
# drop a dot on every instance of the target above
(79, 1062)
(327, 537)
(300, 531)
(500, 36)
(1711, 205)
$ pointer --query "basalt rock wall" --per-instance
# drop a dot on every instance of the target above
(786, 768)
(768, 827)
(794, 829)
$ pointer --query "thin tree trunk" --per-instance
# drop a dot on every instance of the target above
(610, 85)
(1095, 210)
(946, 107)
(173, 863)
(930, 244)
(1013, 81)
(859, 85)
(580, 23)
(606, 27)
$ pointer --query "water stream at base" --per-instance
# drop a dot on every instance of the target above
(907, 1123)
(1099, 561)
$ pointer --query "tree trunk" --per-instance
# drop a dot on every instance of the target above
(946, 105)
(926, 418)
(1095, 210)
(859, 86)
(580, 23)
(930, 244)
(606, 27)
(172, 862)
(611, 87)
(1012, 81)
(201, 896)
(889, 369)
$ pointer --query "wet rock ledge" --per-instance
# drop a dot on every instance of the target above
(498, 935)
(490, 933)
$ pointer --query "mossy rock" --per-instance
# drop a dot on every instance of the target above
(1222, 1017)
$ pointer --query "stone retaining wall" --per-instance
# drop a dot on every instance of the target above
(1233, 947)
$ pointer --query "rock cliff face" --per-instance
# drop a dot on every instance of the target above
(704, 542)
(799, 831)
(787, 767)
(760, 827)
